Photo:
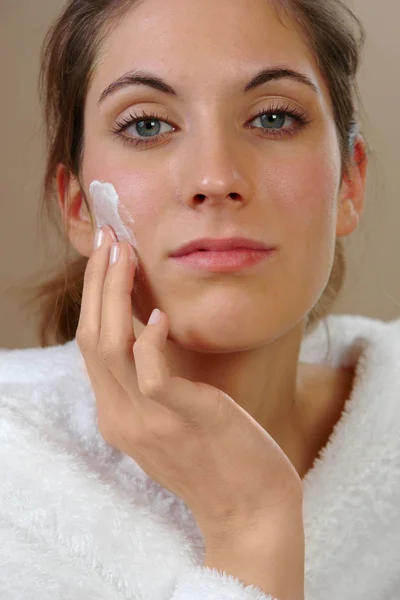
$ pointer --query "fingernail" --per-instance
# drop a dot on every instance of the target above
(99, 239)
(155, 317)
(114, 237)
(114, 254)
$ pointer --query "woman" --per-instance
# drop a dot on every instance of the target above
(218, 452)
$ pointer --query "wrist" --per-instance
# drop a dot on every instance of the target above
(269, 555)
(253, 530)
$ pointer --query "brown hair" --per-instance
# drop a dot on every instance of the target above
(67, 64)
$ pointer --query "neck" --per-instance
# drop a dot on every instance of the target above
(267, 382)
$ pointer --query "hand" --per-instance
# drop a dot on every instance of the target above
(190, 437)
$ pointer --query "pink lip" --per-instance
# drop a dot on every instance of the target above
(221, 245)
(225, 261)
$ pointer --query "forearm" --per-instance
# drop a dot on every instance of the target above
(270, 556)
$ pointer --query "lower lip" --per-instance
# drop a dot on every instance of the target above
(228, 261)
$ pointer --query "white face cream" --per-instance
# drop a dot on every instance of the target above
(107, 209)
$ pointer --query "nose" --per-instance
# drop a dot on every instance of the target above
(217, 170)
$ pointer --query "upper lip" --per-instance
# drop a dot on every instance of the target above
(219, 245)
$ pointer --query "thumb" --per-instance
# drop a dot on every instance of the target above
(155, 317)
(153, 373)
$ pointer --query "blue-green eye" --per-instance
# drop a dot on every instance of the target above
(273, 121)
(276, 120)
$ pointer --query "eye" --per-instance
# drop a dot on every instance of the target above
(273, 120)
(147, 124)
(276, 120)
(144, 124)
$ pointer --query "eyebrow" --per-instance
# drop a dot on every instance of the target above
(151, 80)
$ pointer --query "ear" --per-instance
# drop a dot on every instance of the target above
(76, 217)
(352, 195)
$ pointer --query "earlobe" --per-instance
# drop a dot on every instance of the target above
(348, 218)
(75, 215)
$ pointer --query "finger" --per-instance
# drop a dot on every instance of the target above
(88, 332)
(117, 338)
(116, 314)
(88, 329)
(153, 372)
(189, 400)
(117, 335)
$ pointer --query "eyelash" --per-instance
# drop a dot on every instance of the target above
(132, 119)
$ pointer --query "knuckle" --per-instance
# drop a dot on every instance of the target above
(89, 275)
(150, 386)
(110, 289)
(142, 346)
(108, 351)
(84, 338)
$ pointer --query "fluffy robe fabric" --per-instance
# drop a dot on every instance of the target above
(81, 521)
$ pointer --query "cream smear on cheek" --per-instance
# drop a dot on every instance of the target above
(107, 208)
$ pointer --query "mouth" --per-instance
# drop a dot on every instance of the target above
(225, 261)
(220, 245)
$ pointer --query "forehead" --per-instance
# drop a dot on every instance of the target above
(201, 44)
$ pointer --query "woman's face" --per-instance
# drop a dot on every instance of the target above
(204, 173)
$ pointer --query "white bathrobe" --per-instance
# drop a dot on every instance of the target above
(81, 521)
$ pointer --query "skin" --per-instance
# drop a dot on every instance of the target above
(240, 332)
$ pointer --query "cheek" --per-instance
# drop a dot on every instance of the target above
(140, 193)
(305, 192)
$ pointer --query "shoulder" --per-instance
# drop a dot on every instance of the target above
(351, 326)
(31, 365)
(338, 339)
(42, 372)
(47, 386)
(394, 325)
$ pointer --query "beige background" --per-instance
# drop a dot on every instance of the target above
(373, 282)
